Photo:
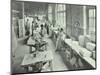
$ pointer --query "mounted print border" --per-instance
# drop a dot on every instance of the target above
(52, 37)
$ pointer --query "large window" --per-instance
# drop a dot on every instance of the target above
(92, 19)
(61, 15)
(50, 12)
(92, 23)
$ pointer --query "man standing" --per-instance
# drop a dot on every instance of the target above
(27, 27)
(42, 31)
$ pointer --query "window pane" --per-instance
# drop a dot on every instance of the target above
(91, 20)
(92, 24)
(50, 17)
(49, 8)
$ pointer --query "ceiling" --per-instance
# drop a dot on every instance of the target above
(30, 7)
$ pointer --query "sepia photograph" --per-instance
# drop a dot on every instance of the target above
(52, 37)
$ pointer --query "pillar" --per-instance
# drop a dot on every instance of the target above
(23, 19)
(53, 14)
(84, 20)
